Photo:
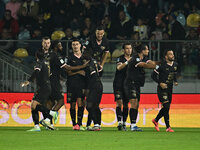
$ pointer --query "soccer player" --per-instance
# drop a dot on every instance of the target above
(94, 90)
(98, 46)
(165, 76)
(41, 74)
(55, 63)
(135, 79)
(76, 85)
(118, 86)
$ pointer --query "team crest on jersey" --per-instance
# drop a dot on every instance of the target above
(103, 47)
(117, 95)
(175, 68)
(165, 97)
(137, 59)
(62, 61)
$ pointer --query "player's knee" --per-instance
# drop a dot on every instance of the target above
(133, 103)
(119, 103)
(166, 105)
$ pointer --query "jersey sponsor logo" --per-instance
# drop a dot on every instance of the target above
(137, 59)
(62, 61)
(157, 67)
(165, 97)
(103, 47)
(117, 95)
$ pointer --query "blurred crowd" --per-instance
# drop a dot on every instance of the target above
(122, 20)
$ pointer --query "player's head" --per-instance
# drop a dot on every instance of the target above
(142, 48)
(127, 47)
(46, 43)
(76, 45)
(99, 33)
(169, 55)
(39, 55)
(57, 46)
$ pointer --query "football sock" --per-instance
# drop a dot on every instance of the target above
(80, 115)
(160, 114)
(35, 116)
(119, 113)
(73, 116)
(89, 119)
(166, 114)
(133, 115)
(99, 115)
(125, 114)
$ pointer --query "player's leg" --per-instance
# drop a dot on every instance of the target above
(80, 112)
(125, 114)
(35, 116)
(119, 113)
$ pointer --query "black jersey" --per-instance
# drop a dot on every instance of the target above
(134, 73)
(75, 61)
(56, 65)
(41, 74)
(93, 71)
(97, 50)
(165, 73)
(94, 84)
(120, 75)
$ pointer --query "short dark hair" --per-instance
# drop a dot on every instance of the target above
(101, 27)
(46, 38)
(124, 45)
(166, 51)
(140, 48)
(76, 40)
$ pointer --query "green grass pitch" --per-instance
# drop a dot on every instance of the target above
(17, 138)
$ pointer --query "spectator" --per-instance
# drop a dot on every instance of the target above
(58, 12)
(88, 24)
(6, 45)
(122, 28)
(14, 7)
(10, 24)
(88, 11)
(141, 28)
(30, 7)
(106, 22)
(26, 21)
(177, 30)
(44, 25)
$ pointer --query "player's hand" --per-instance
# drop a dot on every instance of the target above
(23, 84)
(86, 63)
(175, 83)
(163, 85)
(81, 72)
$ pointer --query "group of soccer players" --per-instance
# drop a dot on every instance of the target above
(130, 76)
(84, 69)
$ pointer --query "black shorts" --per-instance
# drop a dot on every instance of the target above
(75, 90)
(95, 91)
(56, 91)
(42, 94)
(132, 91)
(164, 95)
